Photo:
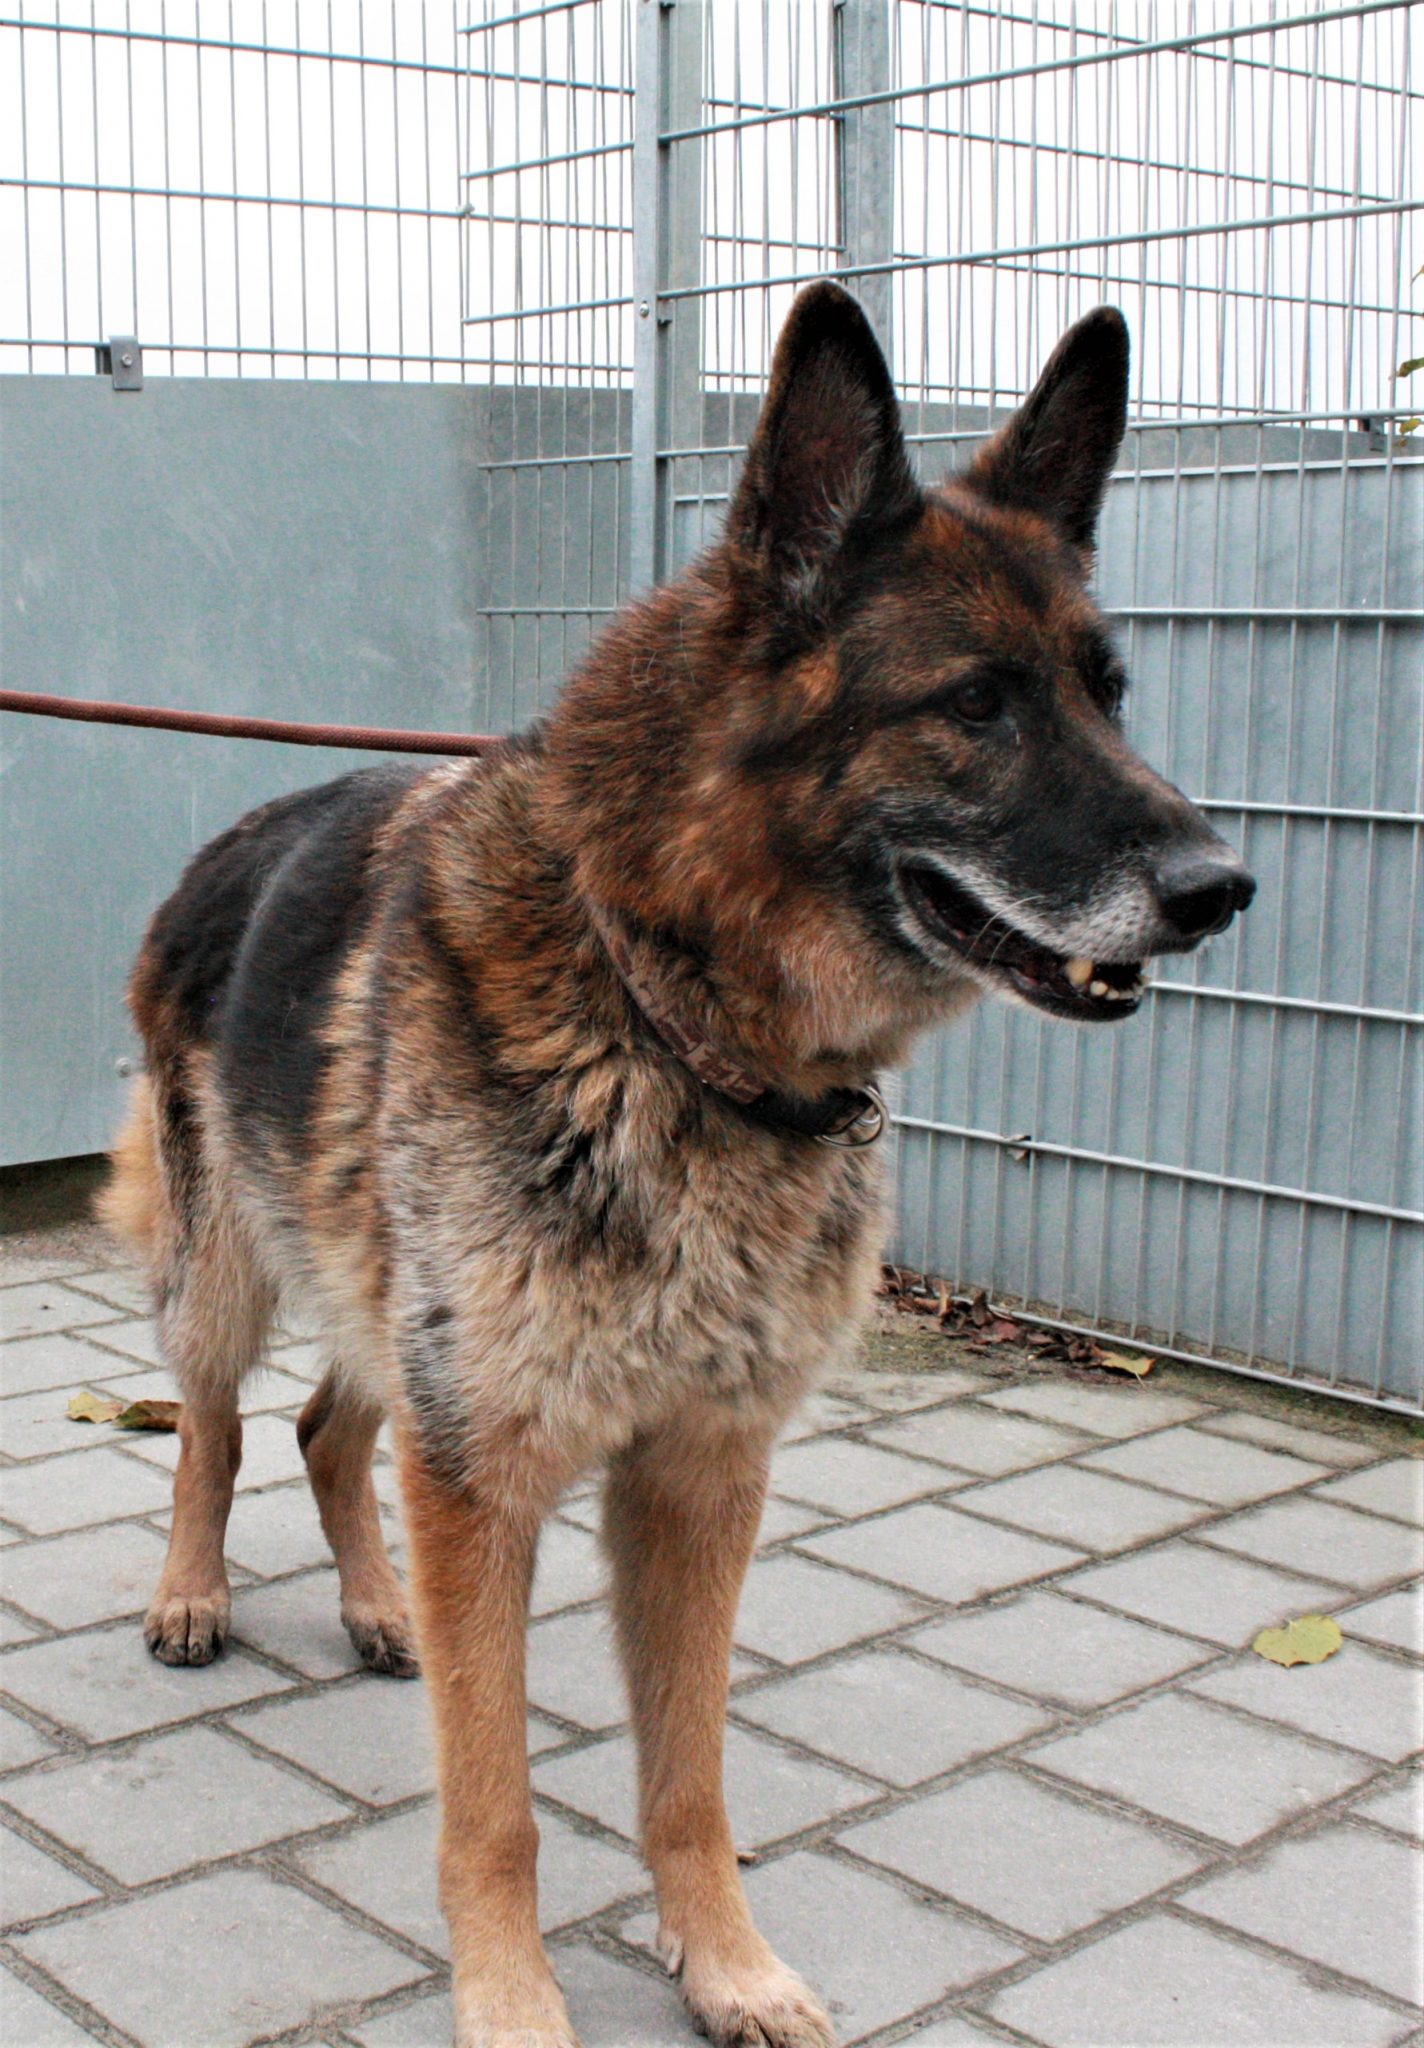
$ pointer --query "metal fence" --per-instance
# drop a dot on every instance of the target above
(596, 212)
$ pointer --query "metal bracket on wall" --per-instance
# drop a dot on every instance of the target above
(122, 359)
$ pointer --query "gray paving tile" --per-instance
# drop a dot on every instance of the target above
(64, 1362)
(1202, 1592)
(1204, 1467)
(944, 1555)
(953, 2032)
(899, 1393)
(1399, 1806)
(1167, 1983)
(614, 2005)
(1058, 1649)
(43, 1308)
(1205, 1769)
(1357, 1698)
(1275, 1433)
(1086, 1509)
(136, 1337)
(971, 1439)
(105, 1684)
(783, 1518)
(573, 1669)
(1396, 1618)
(262, 1393)
(890, 1715)
(93, 1575)
(1037, 1861)
(122, 1286)
(371, 1736)
(1310, 1536)
(35, 1884)
(19, 1267)
(388, 1869)
(270, 1453)
(428, 2023)
(82, 1487)
(871, 1952)
(20, 1744)
(38, 1425)
(297, 1620)
(848, 1478)
(570, 1568)
(792, 1609)
(1342, 1897)
(770, 1793)
(272, 1958)
(1122, 1411)
(170, 1802)
(276, 1532)
(13, 1629)
(1395, 1488)
(29, 2021)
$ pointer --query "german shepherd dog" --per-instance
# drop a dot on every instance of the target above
(548, 1078)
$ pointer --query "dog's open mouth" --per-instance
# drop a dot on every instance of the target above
(1084, 989)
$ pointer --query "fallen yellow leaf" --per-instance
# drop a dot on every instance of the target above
(87, 1407)
(1119, 1361)
(1309, 1639)
(148, 1415)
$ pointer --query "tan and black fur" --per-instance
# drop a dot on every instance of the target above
(858, 764)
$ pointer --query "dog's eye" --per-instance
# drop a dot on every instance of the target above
(978, 700)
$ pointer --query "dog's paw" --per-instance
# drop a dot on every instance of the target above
(758, 2004)
(383, 1642)
(187, 1628)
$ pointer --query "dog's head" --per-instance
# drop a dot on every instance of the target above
(880, 724)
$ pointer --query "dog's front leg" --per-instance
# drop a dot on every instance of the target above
(472, 1552)
(681, 1512)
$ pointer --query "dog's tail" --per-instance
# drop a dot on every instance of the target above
(133, 1203)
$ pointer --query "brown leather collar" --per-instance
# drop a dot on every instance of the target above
(844, 1117)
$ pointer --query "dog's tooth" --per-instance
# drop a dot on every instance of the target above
(1098, 988)
(1079, 972)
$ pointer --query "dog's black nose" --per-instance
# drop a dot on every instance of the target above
(1200, 891)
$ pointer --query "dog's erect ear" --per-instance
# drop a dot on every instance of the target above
(827, 468)
(1057, 452)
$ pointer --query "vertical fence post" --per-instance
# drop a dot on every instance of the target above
(667, 253)
(865, 157)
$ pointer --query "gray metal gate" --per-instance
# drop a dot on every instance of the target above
(596, 219)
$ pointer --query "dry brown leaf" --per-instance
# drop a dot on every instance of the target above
(1121, 1361)
(87, 1407)
(148, 1415)
(1309, 1639)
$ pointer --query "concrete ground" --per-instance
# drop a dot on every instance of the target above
(1006, 1766)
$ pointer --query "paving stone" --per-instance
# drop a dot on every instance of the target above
(1341, 1897)
(571, 1568)
(37, 1425)
(900, 1393)
(265, 1392)
(272, 1958)
(1201, 1767)
(1204, 1467)
(573, 1670)
(92, 1575)
(29, 2021)
(105, 1684)
(428, 2023)
(388, 1869)
(1037, 1861)
(122, 1286)
(1400, 1807)
(35, 1884)
(1102, 1411)
(276, 1532)
(781, 1519)
(14, 1630)
(43, 1307)
(1167, 1983)
(1087, 1509)
(136, 1337)
(170, 1802)
(972, 1440)
(614, 2005)
(80, 1488)
(270, 1452)
(872, 1953)
(297, 1620)
(792, 1609)
(952, 2032)
(1274, 1433)
(306, 1358)
(944, 1555)
(1059, 1649)
(1357, 1698)
(34, 1363)
(20, 1744)
(1201, 1592)
(1396, 1618)
(847, 1478)
(890, 1715)
(770, 1793)
(18, 1267)
(1395, 1489)
(1311, 1536)
(370, 1737)
(824, 1411)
